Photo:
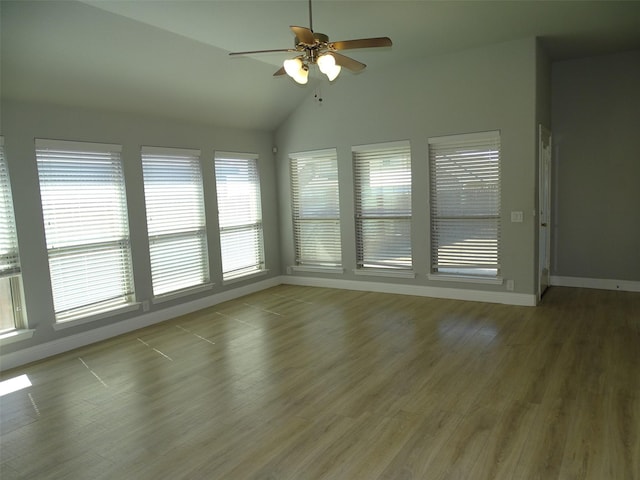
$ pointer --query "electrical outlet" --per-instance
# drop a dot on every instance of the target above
(517, 217)
(510, 285)
(145, 305)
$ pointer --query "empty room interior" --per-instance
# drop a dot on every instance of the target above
(358, 239)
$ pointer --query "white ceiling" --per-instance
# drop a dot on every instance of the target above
(170, 58)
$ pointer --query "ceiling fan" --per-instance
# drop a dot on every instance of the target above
(315, 49)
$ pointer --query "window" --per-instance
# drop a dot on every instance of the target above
(382, 176)
(239, 214)
(316, 208)
(465, 204)
(86, 227)
(11, 313)
(175, 218)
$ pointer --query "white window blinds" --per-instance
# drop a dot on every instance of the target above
(175, 218)
(239, 214)
(86, 227)
(383, 205)
(316, 208)
(9, 260)
(465, 204)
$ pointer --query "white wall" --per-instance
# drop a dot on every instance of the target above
(596, 126)
(489, 88)
(23, 122)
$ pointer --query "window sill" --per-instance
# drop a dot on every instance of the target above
(15, 336)
(97, 316)
(248, 276)
(383, 272)
(166, 297)
(316, 269)
(465, 279)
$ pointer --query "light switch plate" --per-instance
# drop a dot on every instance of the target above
(517, 217)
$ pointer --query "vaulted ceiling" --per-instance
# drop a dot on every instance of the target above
(170, 58)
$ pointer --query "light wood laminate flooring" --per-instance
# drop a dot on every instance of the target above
(310, 383)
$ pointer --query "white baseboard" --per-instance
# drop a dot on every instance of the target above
(597, 283)
(55, 347)
(509, 298)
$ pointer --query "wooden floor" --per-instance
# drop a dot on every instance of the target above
(307, 383)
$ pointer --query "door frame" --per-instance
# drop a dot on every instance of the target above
(545, 158)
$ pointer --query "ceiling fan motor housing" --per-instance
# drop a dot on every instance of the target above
(312, 51)
(321, 37)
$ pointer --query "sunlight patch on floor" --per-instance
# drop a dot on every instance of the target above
(14, 384)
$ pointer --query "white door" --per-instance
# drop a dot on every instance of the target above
(544, 209)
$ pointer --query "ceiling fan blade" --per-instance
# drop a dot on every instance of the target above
(263, 51)
(304, 35)
(281, 71)
(362, 43)
(347, 62)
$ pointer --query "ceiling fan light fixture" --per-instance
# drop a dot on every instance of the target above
(292, 66)
(326, 62)
(297, 70)
(303, 75)
(332, 74)
(327, 65)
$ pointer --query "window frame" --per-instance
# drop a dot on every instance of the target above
(13, 274)
(255, 261)
(385, 207)
(479, 155)
(307, 221)
(101, 165)
(176, 220)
